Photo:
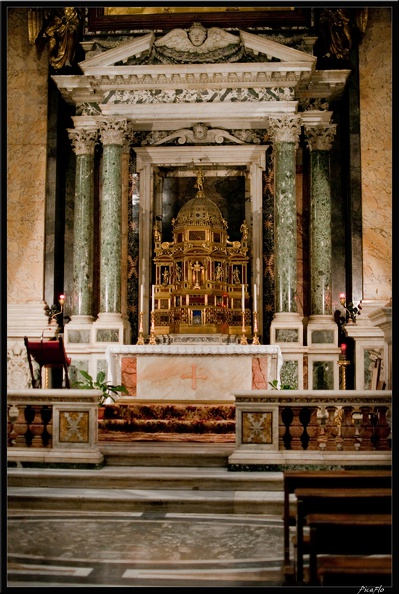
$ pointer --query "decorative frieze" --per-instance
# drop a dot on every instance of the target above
(201, 95)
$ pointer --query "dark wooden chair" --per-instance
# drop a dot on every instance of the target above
(48, 353)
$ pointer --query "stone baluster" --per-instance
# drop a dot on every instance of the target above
(20, 428)
(36, 426)
(296, 428)
(382, 429)
(331, 428)
(312, 428)
(366, 429)
(46, 416)
(286, 417)
(347, 428)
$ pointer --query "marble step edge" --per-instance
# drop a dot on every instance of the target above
(148, 478)
(233, 501)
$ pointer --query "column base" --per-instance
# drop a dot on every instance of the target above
(287, 329)
(111, 328)
(323, 353)
(78, 330)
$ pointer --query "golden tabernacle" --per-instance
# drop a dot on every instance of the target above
(201, 282)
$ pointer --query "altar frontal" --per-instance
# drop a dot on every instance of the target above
(193, 372)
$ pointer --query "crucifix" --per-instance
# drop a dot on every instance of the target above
(193, 377)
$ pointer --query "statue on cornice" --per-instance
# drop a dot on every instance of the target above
(198, 45)
(340, 29)
(62, 35)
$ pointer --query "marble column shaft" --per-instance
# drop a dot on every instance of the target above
(83, 142)
(285, 132)
(320, 139)
(112, 137)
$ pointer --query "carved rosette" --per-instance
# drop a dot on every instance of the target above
(320, 138)
(83, 141)
(112, 131)
(286, 128)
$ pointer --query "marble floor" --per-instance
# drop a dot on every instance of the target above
(90, 549)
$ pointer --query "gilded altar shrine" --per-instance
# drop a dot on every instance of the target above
(201, 277)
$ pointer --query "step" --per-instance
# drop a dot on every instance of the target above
(143, 477)
(149, 500)
(167, 454)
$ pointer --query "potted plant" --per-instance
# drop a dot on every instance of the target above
(108, 390)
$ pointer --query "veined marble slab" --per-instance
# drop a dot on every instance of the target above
(195, 372)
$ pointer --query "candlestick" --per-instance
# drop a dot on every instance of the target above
(255, 304)
(141, 337)
(152, 331)
(243, 337)
(255, 339)
(243, 299)
(141, 299)
(153, 298)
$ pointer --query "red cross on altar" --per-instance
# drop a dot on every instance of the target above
(193, 377)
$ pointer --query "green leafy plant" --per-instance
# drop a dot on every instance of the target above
(274, 385)
(106, 387)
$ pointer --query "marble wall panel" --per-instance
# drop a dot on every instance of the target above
(27, 88)
(375, 60)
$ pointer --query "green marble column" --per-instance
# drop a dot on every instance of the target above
(83, 142)
(320, 139)
(285, 132)
(112, 137)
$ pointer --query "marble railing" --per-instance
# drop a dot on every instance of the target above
(53, 426)
(318, 426)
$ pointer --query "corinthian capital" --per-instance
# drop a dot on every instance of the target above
(83, 140)
(112, 131)
(285, 128)
(320, 138)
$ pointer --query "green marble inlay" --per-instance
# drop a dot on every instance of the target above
(107, 335)
(322, 337)
(73, 371)
(370, 357)
(323, 375)
(287, 335)
(102, 366)
(79, 336)
(289, 374)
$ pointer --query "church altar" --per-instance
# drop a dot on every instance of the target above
(192, 372)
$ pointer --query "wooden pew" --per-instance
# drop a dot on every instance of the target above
(334, 570)
(348, 540)
(294, 479)
(350, 501)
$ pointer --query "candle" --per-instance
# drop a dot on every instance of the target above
(153, 298)
(243, 299)
(141, 298)
(343, 348)
(255, 305)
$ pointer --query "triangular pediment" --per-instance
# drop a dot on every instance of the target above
(256, 44)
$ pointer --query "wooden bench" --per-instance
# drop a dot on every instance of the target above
(294, 479)
(335, 570)
(345, 500)
(345, 536)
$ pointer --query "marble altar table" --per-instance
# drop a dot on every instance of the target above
(198, 372)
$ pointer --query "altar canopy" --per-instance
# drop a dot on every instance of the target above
(198, 372)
